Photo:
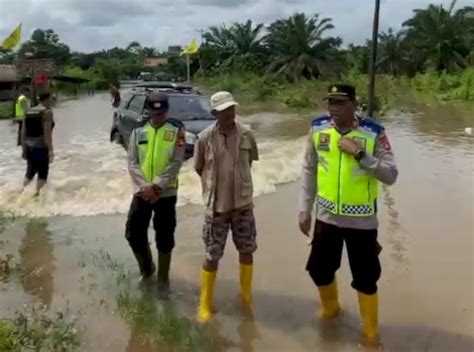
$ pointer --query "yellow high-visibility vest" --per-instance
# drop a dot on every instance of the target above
(344, 188)
(19, 111)
(155, 149)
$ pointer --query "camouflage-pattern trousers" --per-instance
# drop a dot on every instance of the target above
(216, 228)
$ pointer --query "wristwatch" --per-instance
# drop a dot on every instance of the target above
(360, 155)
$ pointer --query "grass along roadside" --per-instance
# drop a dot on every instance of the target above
(256, 92)
(32, 329)
(6, 110)
(161, 323)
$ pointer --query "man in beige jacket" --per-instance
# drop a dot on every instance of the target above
(223, 158)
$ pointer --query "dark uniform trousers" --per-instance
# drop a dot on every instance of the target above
(18, 138)
(362, 249)
(164, 223)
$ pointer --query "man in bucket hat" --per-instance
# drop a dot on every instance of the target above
(223, 159)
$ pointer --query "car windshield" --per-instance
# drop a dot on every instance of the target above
(184, 107)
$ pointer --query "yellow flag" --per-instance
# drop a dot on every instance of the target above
(192, 48)
(13, 39)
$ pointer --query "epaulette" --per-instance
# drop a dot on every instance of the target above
(175, 122)
(321, 120)
(371, 125)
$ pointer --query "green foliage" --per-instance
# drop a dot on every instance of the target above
(236, 48)
(392, 53)
(107, 72)
(445, 86)
(6, 110)
(7, 57)
(34, 330)
(298, 48)
(45, 44)
(441, 38)
(160, 323)
(357, 57)
(289, 49)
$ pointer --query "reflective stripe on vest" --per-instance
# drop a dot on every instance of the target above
(344, 188)
(19, 112)
(155, 150)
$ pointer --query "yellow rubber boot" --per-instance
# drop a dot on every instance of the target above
(329, 301)
(246, 273)
(208, 279)
(368, 305)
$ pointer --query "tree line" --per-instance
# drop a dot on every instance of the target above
(434, 38)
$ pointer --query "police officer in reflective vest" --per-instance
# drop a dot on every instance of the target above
(155, 156)
(346, 158)
(22, 105)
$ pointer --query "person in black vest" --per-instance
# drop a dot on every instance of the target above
(37, 141)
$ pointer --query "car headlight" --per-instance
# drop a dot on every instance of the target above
(191, 138)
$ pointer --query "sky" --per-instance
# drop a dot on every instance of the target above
(89, 25)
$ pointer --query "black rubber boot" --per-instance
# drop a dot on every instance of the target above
(145, 263)
(164, 263)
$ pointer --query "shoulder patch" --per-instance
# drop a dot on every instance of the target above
(371, 125)
(321, 120)
(176, 123)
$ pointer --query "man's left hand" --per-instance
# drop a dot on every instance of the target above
(349, 146)
(150, 193)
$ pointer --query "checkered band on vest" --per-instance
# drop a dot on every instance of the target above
(327, 204)
(357, 209)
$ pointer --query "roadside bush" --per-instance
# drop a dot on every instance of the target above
(33, 330)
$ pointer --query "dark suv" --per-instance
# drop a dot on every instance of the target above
(186, 105)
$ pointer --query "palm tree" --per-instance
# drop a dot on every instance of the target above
(148, 51)
(134, 47)
(442, 37)
(246, 38)
(219, 38)
(297, 47)
(238, 45)
(392, 57)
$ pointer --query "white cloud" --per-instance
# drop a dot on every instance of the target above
(88, 25)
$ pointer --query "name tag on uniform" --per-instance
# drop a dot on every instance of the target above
(361, 141)
(142, 137)
(324, 140)
(169, 136)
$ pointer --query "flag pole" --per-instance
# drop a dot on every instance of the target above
(188, 68)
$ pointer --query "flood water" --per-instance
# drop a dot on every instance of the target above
(69, 242)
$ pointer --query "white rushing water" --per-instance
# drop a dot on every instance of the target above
(89, 175)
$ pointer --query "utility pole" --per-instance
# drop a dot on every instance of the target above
(188, 69)
(373, 59)
(201, 64)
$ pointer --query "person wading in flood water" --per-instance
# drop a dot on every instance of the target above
(115, 95)
(22, 105)
(155, 156)
(345, 159)
(223, 158)
(37, 141)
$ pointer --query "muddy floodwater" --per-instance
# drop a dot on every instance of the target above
(70, 246)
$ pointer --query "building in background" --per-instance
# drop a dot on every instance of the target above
(154, 62)
(8, 82)
(175, 49)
